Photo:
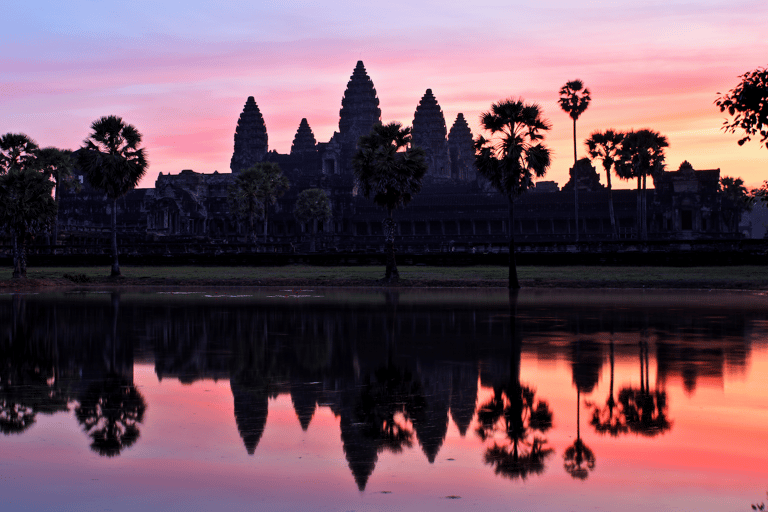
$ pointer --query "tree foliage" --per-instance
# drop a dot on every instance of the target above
(111, 157)
(26, 208)
(312, 206)
(513, 155)
(574, 98)
(747, 104)
(17, 151)
(253, 191)
(735, 200)
(387, 168)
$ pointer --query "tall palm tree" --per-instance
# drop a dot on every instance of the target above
(574, 100)
(253, 190)
(114, 163)
(641, 154)
(390, 170)
(513, 156)
(57, 165)
(605, 146)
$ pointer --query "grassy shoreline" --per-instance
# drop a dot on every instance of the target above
(735, 277)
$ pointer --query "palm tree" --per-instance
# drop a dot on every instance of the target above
(313, 206)
(605, 146)
(389, 168)
(114, 163)
(641, 154)
(17, 151)
(57, 164)
(513, 156)
(574, 100)
(609, 419)
(253, 190)
(27, 208)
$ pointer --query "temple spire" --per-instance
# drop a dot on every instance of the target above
(462, 151)
(250, 138)
(304, 140)
(429, 133)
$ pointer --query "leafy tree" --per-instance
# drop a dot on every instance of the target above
(57, 165)
(605, 146)
(513, 156)
(27, 208)
(313, 206)
(735, 201)
(253, 190)
(114, 163)
(641, 154)
(390, 170)
(761, 194)
(747, 103)
(574, 100)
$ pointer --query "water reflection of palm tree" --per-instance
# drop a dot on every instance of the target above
(111, 409)
(645, 410)
(579, 459)
(110, 412)
(610, 418)
(514, 419)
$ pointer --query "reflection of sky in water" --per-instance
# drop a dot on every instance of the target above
(190, 454)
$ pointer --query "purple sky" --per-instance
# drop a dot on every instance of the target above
(181, 71)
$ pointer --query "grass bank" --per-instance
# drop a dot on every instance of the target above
(732, 277)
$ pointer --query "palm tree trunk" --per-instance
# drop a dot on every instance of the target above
(56, 218)
(15, 242)
(611, 212)
(389, 234)
(644, 219)
(513, 282)
(312, 244)
(639, 211)
(265, 223)
(575, 181)
(115, 263)
(23, 254)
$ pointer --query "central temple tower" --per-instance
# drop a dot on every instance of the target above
(359, 112)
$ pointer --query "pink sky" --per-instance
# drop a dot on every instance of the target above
(181, 72)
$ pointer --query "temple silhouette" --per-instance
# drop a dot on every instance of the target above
(455, 211)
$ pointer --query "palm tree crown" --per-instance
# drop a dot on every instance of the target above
(387, 167)
(574, 98)
(17, 151)
(112, 159)
(514, 155)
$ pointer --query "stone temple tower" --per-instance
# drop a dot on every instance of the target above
(429, 133)
(359, 112)
(304, 141)
(462, 151)
(250, 138)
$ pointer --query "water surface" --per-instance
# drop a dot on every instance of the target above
(275, 399)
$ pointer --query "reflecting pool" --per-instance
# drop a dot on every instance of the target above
(327, 399)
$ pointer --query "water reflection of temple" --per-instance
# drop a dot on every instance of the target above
(393, 371)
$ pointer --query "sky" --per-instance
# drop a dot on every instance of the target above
(181, 71)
